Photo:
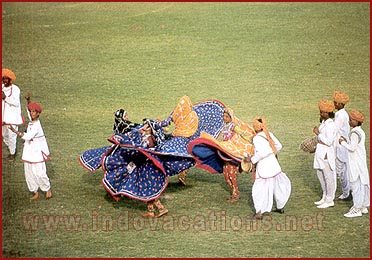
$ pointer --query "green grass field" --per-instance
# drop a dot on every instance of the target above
(82, 61)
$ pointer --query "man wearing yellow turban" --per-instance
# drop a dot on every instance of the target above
(11, 111)
(342, 129)
(358, 169)
(324, 157)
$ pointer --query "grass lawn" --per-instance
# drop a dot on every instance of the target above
(82, 61)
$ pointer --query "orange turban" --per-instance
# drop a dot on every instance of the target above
(259, 123)
(340, 97)
(356, 115)
(8, 73)
(326, 105)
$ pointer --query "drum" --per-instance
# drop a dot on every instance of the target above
(309, 144)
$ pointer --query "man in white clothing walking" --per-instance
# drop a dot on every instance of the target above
(271, 183)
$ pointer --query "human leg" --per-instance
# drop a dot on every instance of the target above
(282, 191)
(319, 174)
(329, 179)
(341, 171)
(31, 180)
(162, 210)
(42, 178)
(150, 210)
(230, 172)
(182, 177)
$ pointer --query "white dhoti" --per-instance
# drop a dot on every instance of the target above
(36, 177)
(265, 191)
(360, 194)
(341, 171)
(10, 138)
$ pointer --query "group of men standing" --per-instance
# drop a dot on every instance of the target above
(340, 138)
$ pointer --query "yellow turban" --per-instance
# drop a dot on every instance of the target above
(8, 73)
(356, 115)
(259, 123)
(326, 105)
(340, 97)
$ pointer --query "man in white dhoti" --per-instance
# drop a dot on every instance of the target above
(324, 157)
(342, 129)
(357, 170)
(35, 153)
(11, 111)
(270, 182)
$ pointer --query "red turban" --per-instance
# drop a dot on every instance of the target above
(34, 106)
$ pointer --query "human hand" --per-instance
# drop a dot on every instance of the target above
(28, 97)
(11, 128)
(316, 130)
(246, 157)
(341, 139)
(3, 95)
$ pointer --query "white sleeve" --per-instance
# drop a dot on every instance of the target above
(13, 99)
(352, 144)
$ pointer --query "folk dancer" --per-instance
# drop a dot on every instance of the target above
(271, 183)
(35, 153)
(149, 140)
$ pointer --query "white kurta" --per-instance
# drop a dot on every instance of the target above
(327, 134)
(11, 106)
(271, 183)
(267, 164)
(342, 128)
(357, 156)
(35, 149)
(11, 115)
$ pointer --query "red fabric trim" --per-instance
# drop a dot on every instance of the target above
(82, 164)
(259, 177)
(114, 196)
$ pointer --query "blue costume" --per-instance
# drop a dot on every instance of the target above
(139, 172)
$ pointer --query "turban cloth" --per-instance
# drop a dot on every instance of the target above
(260, 124)
(356, 115)
(185, 120)
(34, 106)
(8, 73)
(340, 97)
(326, 106)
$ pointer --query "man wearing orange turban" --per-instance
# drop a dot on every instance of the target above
(11, 111)
(358, 169)
(342, 129)
(324, 157)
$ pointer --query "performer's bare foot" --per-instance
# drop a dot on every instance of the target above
(148, 214)
(48, 194)
(35, 197)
